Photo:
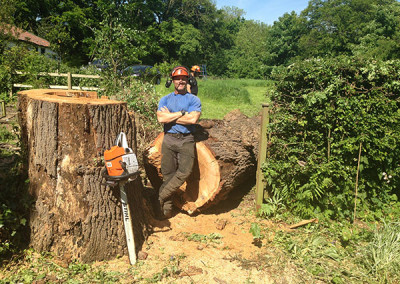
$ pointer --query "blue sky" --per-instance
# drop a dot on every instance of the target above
(266, 11)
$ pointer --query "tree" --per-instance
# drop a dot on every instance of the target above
(7, 9)
(24, 13)
(382, 34)
(282, 41)
(221, 34)
(67, 25)
(334, 26)
(182, 41)
(118, 45)
(248, 56)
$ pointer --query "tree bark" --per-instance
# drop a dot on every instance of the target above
(226, 160)
(74, 214)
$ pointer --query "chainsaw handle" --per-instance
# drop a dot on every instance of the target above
(122, 141)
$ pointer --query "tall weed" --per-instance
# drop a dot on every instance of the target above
(382, 255)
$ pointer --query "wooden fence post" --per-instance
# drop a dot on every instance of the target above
(12, 85)
(3, 109)
(262, 154)
(69, 80)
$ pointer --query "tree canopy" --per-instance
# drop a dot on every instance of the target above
(196, 32)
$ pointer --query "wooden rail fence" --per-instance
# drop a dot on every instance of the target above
(69, 77)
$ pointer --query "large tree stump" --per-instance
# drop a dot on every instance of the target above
(226, 160)
(74, 214)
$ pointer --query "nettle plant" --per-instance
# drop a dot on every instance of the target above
(334, 135)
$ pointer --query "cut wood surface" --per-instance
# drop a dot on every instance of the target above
(226, 159)
(74, 214)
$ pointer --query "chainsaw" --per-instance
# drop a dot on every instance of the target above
(121, 168)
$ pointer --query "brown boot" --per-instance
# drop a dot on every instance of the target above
(168, 208)
(159, 212)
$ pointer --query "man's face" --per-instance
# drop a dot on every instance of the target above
(180, 83)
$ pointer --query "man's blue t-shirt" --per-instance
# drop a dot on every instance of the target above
(177, 102)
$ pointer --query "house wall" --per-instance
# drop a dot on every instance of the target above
(41, 49)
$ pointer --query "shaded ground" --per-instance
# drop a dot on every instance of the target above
(8, 143)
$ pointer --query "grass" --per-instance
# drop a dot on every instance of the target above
(210, 238)
(219, 97)
(383, 252)
(335, 252)
(44, 268)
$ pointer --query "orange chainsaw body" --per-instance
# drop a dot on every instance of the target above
(113, 160)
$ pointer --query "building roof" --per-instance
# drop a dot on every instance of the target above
(22, 35)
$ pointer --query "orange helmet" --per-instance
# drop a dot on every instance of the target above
(195, 68)
(179, 71)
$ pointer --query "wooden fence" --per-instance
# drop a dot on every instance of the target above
(69, 77)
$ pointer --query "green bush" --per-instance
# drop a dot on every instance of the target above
(324, 111)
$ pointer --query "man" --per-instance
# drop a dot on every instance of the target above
(192, 87)
(178, 111)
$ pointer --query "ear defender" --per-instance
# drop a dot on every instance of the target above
(177, 71)
(192, 81)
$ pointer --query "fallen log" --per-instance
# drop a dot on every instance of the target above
(74, 214)
(226, 160)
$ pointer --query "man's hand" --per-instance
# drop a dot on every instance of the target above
(165, 116)
(189, 118)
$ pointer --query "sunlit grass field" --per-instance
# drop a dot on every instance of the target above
(220, 96)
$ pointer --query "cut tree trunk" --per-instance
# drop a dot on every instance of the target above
(74, 214)
(226, 160)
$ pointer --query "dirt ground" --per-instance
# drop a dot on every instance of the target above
(178, 252)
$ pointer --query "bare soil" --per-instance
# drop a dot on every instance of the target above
(213, 247)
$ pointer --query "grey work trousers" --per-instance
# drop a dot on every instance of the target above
(178, 154)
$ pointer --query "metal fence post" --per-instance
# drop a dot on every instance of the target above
(262, 154)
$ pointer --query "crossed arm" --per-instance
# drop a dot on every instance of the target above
(165, 116)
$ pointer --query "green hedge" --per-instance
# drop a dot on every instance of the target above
(323, 111)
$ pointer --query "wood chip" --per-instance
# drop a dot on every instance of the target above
(220, 224)
(220, 281)
(142, 255)
(192, 270)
